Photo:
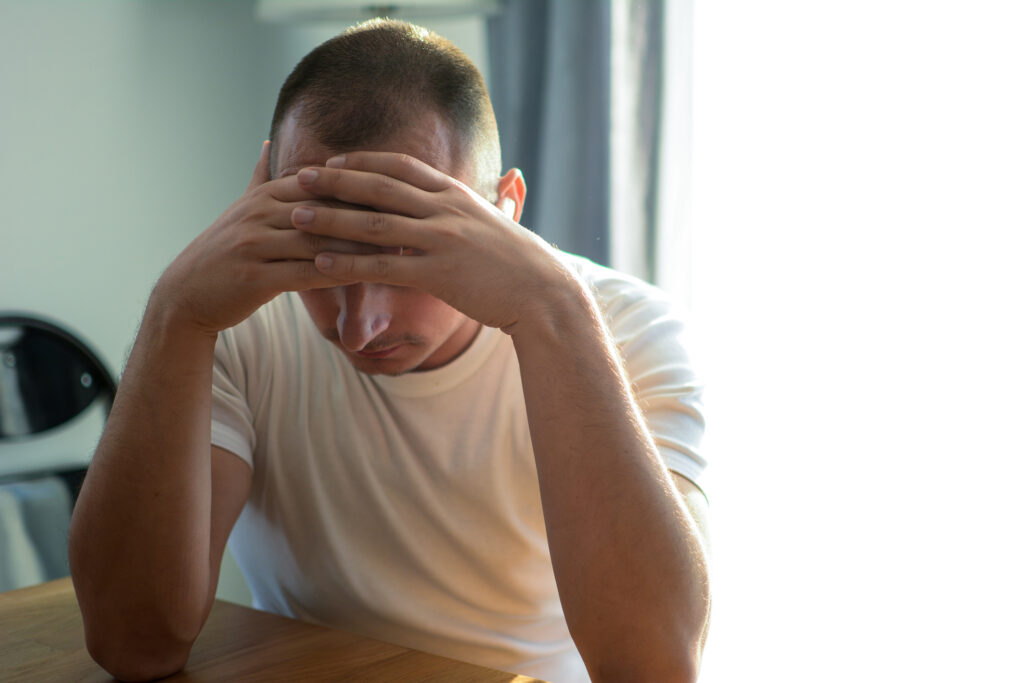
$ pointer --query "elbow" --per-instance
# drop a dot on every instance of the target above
(133, 638)
(671, 670)
(136, 659)
(685, 671)
(135, 650)
(652, 655)
(137, 644)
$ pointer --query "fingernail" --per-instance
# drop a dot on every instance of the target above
(324, 261)
(308, 176)
(336, 162)
(303, 215)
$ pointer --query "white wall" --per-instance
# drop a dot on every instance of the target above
(126, 127)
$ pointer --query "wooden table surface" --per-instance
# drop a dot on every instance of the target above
(41, 639)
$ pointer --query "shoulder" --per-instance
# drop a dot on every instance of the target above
(273, 351)
(630, 305)
(275, 334)
(650, 332)
(278, 319)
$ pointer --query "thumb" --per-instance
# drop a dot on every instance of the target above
(261, 174)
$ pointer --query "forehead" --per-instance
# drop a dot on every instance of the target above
(428, 139)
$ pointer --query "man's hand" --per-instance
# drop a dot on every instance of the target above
(247, 257)
(454, 244)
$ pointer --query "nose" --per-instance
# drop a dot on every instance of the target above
(363, 313)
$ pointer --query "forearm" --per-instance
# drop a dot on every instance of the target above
(628, 559)
(140, 534)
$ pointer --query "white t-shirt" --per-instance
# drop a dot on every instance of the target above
(407, 508)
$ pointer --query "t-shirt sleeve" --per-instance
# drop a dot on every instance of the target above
(231, 424)
(668, 392)
(652, 338)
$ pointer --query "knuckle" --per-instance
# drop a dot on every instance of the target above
(381, 266)
(447, 230)
(251, 213)
(315, 243)
(307, 271)
(258, 213)
(245, 242)
(458, 201)
(344, 265)
(404, 161)
(249, 274)
(446, 268)
(335, 184)
(460, 191)
(384, 185)
(376, 223)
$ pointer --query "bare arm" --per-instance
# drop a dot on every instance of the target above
(155, 511)
(150, 526)
(628, 554)
(629, 557)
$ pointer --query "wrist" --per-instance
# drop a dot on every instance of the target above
(566, 311)
(166, 318)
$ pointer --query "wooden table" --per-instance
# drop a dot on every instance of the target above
(41, 639)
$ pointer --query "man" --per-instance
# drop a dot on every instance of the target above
(435, 441)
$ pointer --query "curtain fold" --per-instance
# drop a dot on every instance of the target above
(592, 101)
(34, 519)
(550, 83)
(636, 83)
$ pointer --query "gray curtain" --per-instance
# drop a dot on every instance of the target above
(579, 93)
(550, 64)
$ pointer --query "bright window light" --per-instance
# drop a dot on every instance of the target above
(858, 284)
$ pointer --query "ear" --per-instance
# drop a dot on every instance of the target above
(512, 194)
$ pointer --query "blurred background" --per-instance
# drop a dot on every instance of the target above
(834, 191)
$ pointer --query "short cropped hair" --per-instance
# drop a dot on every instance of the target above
(372, 81)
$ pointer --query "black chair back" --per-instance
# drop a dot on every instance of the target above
(48, 376)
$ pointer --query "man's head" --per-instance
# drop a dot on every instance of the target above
(377, 79)
(392, 87)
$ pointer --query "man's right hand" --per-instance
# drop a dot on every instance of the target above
(148, 531)
(248, 256)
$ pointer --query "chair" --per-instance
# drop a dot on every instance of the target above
(49, 376)
(55, 395)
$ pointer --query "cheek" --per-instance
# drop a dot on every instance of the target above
(322, 306)
(426, 312)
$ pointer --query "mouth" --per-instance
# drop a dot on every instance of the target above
(383, 353)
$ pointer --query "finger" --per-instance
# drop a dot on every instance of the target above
(387, 268)
(294, 244)
(402, 167)
(288, 189)
(272, 204)
(375, 190)
(261, 173)
(371, 227)
(294, 276)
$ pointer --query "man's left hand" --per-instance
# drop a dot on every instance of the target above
(438, 235)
